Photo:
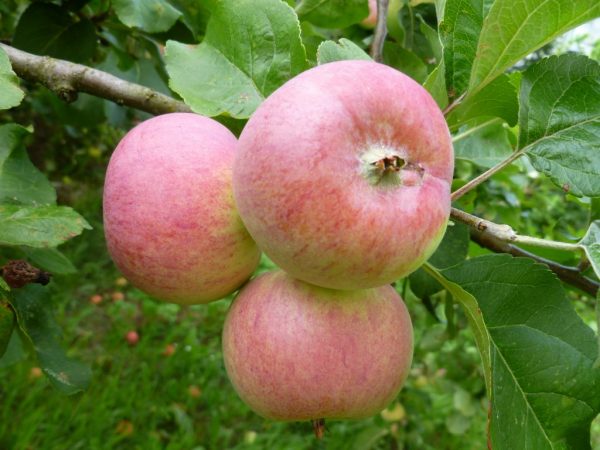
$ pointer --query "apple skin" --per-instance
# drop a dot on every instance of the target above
(300, 177)
(294, 351)
(170, 221)
(371, 19)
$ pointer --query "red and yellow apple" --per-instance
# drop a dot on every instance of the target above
(343, 175)
(294, 351)
(170, 221)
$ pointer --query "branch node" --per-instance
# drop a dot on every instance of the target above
(66, 93)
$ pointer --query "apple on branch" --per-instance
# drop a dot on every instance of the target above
(343, 175)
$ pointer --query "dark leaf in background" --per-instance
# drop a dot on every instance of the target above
(333, 13)
(452, 250)
(32, 305)
(152, 16)
(48, 29)
(20, 180)
(7, 324)
(405, 61)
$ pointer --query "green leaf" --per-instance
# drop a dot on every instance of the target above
(14, 352)
(7, 324)
(497, 99)
(457, 424)
(544, 390)
(595, 209)
(20, 180)
(591, 245)
(433, 38)
(459, 31)
(436, 85)
(9, 84)
(368, 438)
(209, 83)
(32, 305)
(152, 16)
(559, 121)
(452, 250)
(50, 259)
(137, 70)
(85, 112)
(485, 144)
(251, 48)
(333, 13)
(512, 30)
(48, 29)
(39, 226)
(195, 14)
(405, 61)
(474, 316)
(344, 49)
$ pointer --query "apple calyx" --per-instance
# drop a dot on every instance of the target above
(385, 166)
(390, 163)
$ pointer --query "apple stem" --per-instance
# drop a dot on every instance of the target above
(319, 428)
(485, 175)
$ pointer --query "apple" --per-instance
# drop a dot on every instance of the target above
(170, 221)
(294, 351)
(371, 19)
(343, 175)
(96, 299)
(132, 337)
(35, 373)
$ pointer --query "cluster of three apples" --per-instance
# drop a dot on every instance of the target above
(342, 177)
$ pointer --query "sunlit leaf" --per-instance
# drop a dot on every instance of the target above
(559, 121)
(251, 48)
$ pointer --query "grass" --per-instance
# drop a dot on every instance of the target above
(170, 391)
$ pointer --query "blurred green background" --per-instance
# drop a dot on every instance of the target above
(170, 390)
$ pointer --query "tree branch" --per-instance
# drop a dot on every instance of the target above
(501, 239)
(470, 131)
(66, 79)
(485, 175)
(380, 30)
(501, 232)
(505, 233)
(454, 104)
(570, 275)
